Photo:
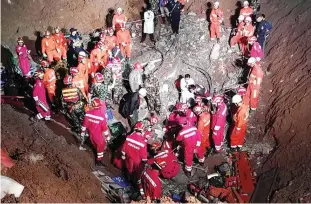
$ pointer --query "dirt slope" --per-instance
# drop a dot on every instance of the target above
(287, 94)
(61, 170)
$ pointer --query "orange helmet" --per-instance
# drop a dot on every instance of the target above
(154, 120)
(44, 63)
(99, 78)
(217, 99)
(139, 126)
(95, 102)
(197, 110)
(138, 65)
(68, 80)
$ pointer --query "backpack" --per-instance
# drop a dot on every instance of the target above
(124, 108)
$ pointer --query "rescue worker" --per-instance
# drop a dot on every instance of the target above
(248, 31)
(73, 102)
(184, 85)
(204, 126)
(200, 90)
(98, 130)
(39, 95)
(134, 152)
(163, 10)
(99, 58)
(118, 19)
(238, 33)
(49, 48)
(150, 184)
(199, 102)
(255, 79)
(61, 42)
(263, 30)
(240, 120)
(255, 49)
(246, 11)
(174, 8)
(191, 142)
(23, 57)
(148, 26)
(124, 41)
(136, 77)
(219, 115)
(152, 85)
(84, 67)
(100, 90)
(110, 39)
(116, 71)
(217, 18)
(49, 80)
(78, 81)
(166, 161)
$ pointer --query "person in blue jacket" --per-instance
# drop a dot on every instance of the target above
(174, 8)
(263, 29)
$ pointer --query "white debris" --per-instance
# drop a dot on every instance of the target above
(164, 88)
(192, 14)
(34, 158)
(215, 51)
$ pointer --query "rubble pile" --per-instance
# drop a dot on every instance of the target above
(192, 51)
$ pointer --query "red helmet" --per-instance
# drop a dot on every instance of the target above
(138, 65)
(160, 162)
(95, 102)
(20, 39)
(110, 30)
(139, 126)
(156, 144)
(44, 63)
(68, 80)
(74, 70)
(99, 78)
(116, 60)
(217, 99)
(122, 25)
(197, 110)
(154, 120)
(241, 91)
(252, 39)
(198, 99)
(102, 35)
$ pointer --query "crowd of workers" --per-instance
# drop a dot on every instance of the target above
(197, 122)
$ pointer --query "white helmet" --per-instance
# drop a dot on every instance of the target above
(142, 92)
(241, 18)
(119, 9)
(236, 99)
(248, 19)
(82, 53)
(245, 3)
(216, 4)
(251, 60)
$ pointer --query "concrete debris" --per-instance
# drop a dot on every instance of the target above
(192, 14)
(34, 158)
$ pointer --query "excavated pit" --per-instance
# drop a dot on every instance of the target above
(58, 172)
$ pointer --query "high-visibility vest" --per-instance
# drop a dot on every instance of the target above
(71, 95)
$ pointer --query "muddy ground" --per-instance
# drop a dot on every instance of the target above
(283, 118)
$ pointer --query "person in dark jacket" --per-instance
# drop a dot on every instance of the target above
(175, 8)
(130, 104)
(109, 18)
(263, 29)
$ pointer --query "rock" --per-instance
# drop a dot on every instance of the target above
(215, 52)
(192, 14)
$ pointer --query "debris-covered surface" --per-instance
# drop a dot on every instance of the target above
(192, 51)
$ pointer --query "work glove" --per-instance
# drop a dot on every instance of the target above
(44, 55)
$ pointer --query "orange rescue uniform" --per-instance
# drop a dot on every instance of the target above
(254, 84)
(204, 128)
(246, 12)
(239, 34)
(118, 20)
(247, 32)
(61, 44)
(99, 58)
(124, 41)
(49, 81)
(84, 72)
(49, 48)
(79, 82)
(240, 119)
(110, 42)
(216, 17)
